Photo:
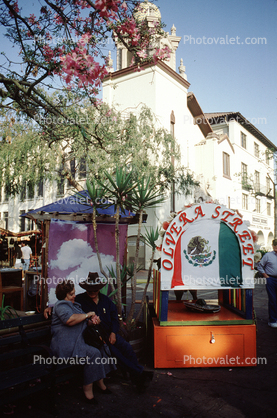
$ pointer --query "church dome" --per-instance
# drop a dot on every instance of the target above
(147, 9)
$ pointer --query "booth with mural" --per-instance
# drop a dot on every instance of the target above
(68, 241)
(205, 247)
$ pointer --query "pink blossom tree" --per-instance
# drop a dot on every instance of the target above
(61, 46)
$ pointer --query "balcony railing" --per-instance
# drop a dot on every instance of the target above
(258, 189)
(261, 190)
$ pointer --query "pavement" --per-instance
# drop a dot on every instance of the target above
(176, 393)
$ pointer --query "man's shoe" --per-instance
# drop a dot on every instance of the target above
(273, 324)
(144, 380)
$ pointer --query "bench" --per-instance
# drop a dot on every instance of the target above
(20, 340)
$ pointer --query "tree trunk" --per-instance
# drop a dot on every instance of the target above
(94, 223)
(146, 286)
(134, 278)
(118, 270)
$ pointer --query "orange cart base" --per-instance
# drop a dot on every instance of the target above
(204, 345)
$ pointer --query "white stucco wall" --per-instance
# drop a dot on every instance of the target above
(163, 94)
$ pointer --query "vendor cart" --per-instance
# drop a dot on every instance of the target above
(205, 247)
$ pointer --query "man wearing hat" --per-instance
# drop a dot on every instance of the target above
(93, 300)
(268, 268)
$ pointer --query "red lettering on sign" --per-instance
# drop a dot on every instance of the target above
(216, 209)
(173, 228)
(249, 263)
(171, 253)
(228, 214)
(237, 221)
(245, 235)
(183, 217)
(247, 248)
(198, 211)
(170, 267)
(169, 241)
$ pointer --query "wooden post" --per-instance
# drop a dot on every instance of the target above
(44, 275)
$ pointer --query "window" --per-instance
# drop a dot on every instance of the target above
(31, 190)
(244, 178)
(268, 207)
(243, 140)
(72, 170)
(258, 205)
(40, 188)
(60, 186)
(6, 194)
(6, 220)
(257, 181)
(23, 193)
(21, 221)
(268, 186)
(244, 201)
(226, 164)
(30, 223)
(256, 150)
(82, 168)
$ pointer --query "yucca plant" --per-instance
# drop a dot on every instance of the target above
(150, 237)
(119, 188)
(126, 274)
(96, 193)
(126, 194)
(144, 196)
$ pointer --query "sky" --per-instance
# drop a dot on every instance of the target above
(229, 77)
(225, 73)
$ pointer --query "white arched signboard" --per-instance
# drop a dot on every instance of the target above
(207, 246)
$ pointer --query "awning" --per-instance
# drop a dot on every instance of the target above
(80, 209)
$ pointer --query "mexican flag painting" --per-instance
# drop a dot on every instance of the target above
(211, 259)
(207, 247)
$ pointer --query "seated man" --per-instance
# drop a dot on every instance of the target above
(94, 301)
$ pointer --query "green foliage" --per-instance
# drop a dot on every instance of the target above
(119, 186)
(104, 139)
(126, 272)
(7, 312)
(151, 236)
(146, 195)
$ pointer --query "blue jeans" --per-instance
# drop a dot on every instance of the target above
(26, 264)
(271, 288)
(126, 357)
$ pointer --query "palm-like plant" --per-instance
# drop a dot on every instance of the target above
(144, 196)
(119, 188)
(126, 194)
(149, 238)
(96, 193)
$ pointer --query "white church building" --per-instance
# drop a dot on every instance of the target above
(230, 157)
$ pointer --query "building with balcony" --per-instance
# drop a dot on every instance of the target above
(240, 170)
(230, 157)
